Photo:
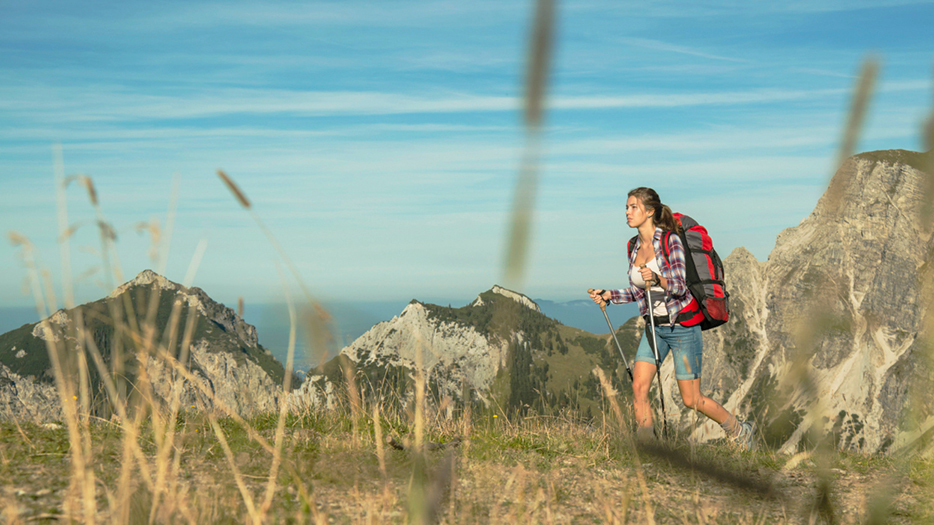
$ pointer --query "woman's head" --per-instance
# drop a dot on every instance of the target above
(660, 214)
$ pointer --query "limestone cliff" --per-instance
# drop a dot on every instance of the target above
(825, 334)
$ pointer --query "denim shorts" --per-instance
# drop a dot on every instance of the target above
(686, 346)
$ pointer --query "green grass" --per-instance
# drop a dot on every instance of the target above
(519, 468)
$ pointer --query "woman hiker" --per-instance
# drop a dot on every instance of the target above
(670, 296)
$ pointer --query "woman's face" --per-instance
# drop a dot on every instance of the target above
(636, 213)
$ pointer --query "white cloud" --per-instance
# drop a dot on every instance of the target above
(683, 50)
(113, 104)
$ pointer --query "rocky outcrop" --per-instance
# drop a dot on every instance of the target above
(25, 399)
(416, 340)
(500, 346)
(196, 298)
(230, 368)
(515, 296)
(222, 382)
(825, 334)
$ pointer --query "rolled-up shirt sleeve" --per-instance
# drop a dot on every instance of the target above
(621, 296)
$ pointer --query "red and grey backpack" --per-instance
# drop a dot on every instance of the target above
(711, 305)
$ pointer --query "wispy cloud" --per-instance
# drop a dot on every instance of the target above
(674, 9)
(658, 45)
(110, 104)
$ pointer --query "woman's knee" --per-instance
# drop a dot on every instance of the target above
(640, 389)
(692, 400)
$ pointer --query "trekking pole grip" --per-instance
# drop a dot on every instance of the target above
(600, 293)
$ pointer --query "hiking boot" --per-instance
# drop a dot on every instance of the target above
(745, 439)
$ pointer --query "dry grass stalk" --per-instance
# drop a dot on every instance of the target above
(800, 381)
(155, 238)
(419, 395)
(238, 477)
(283, 408)
(169, 224)
(318, 323)
(378, 438)
(539, 64)
(232, 186)
(81, 481)
(610, 395)
(856, 117)
(858, 108)
(166, 473)
(353, 394)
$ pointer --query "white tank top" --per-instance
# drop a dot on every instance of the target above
(659, 308)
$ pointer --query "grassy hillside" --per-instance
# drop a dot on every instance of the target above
(478, 469)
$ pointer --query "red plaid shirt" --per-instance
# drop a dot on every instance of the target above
(677, 295)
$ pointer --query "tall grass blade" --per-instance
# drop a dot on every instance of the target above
(927, 141)
(238, 477)
(859, 106)
(539, 62)
(610, 395)
(232, 186)
(536, 82)
(283, 400)
(319, 323)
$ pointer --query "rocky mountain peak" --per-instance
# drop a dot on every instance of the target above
(874, 184)
(224, 354)
(839, 298)
(196, 298)
(145, 278)
(515, 296)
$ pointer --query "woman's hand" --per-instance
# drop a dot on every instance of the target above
(601, 297)
(649, 276)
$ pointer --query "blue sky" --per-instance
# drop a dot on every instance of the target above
(380, 141)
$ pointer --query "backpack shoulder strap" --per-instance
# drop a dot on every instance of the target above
(666, 238)
(631, 246)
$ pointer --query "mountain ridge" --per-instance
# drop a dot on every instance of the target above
(495, 351)
(224, 354)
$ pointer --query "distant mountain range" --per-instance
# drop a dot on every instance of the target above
(354, 319)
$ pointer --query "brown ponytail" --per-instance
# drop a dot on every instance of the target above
(661, 215)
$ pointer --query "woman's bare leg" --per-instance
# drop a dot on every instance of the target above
(642, 376)
(692, 397)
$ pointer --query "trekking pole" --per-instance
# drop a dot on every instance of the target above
(658, 364)
(613, 332)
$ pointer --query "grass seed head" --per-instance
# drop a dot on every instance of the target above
(17, 239)
(234, 189)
